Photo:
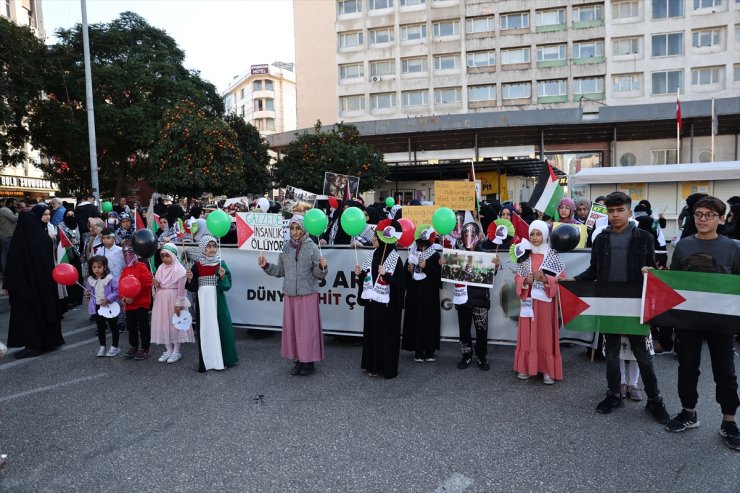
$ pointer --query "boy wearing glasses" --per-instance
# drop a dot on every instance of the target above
(707, 251)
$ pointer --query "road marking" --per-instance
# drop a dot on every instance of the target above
(457, 483)
(51, 387)
(66, 347)
(77, 331)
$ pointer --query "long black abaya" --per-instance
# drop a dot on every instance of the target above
(35, 320)
(381, 333)
(421, 317)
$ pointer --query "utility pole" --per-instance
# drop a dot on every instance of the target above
(90, 111)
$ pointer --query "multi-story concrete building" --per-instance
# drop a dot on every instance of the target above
(405, 58)
(25, 180)
(265, 97)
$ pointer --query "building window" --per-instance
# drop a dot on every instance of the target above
(625, 10)
(413, 31)
(241, 93)
(667, 82)
(446, 28)
(517, 90)
(351, 71)
(479, 25)
(380, 36)
(667, 44)
(352, 103)
(413, 65)
(383, 100)
(737, 34)
(415, 98)
(447, 62)
(350, 39)
(588, 13)
(626, 46)
(588, 85)
(736, 72)
(704, 38)
(515, 55)
(382, 67)
(447, 95)
(514, 21)
(269, 104)
(706, 4)
(626, 82)
(588, 49)
(549, 17)
(257, 85)
(481, 58)
(379, 4)
(244, 111)
(265, 124)
(705, 76)
(408, 3)
(552, 88)
(258, 105)
(269, 85)
(663, 9)
(348, 6)
(482, 93)
(663, 156)
(550, 53)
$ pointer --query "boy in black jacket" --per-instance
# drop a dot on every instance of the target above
(622, 253)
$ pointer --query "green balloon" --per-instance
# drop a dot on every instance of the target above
(443, 220)
(353, 221)
(389, 202)
(107, 206)
(315, 222)
(218, 223)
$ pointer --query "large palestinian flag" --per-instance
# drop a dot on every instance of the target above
(63, 247)
(692, 300)
(605, 307)
(548, 193)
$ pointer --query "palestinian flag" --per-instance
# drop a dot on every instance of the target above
(692, 300)
(548, 192)
(604, 307)
(63, 247)
(521, 228)
(139, 223)
(154, 225)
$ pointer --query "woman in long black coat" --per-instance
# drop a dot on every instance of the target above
(35, 318)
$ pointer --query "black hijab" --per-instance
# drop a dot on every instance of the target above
(690, 226)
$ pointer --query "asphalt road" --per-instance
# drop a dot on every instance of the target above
(72, 422)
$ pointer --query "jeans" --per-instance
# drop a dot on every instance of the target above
(644, 361)
(5, 246)
(112, 324)
(478, 316)
(139, 331)
(722, 353)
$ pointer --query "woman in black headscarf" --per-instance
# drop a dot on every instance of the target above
(690, 227)
(35, 318)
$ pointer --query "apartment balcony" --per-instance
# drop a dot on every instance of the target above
(552, 99)
(588, 24)
(551, 28)
(589, 60)
(552, 63)
(263, 114)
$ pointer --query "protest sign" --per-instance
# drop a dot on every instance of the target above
(260, 232)
(457, 195)
(419, 214)
(468, 267)
(597, 212)
(342, 187)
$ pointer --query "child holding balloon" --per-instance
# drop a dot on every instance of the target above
(135, 291)
(102, 289)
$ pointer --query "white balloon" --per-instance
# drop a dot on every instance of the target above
(263, 204)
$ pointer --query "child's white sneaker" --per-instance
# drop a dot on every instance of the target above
(101, 351)
(165, 356)
(174, 358)
(112, 352)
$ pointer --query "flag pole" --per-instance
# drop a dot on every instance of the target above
(713, 117)
(678, 131)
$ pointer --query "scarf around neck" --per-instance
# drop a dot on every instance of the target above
(379, 290)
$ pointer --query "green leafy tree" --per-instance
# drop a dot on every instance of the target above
(196, 153)
(339, 150)
(21, 57)
(255, 158)
(138, 73)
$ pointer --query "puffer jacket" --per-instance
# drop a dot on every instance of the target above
(302, 275)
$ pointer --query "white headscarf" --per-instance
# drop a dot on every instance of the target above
(541, 226)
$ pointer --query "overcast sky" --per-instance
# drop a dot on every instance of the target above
(221, 38)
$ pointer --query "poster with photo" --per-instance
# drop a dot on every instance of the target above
(341, 186)
(469, 268)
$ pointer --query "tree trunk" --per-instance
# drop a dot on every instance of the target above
(120, 179)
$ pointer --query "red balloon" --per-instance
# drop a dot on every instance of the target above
(65, 274)
(333, 202)
(409, 229)
(129, 287)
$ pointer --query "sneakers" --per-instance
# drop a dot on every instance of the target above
(419, 358)
(522, 376)
(609, 404)
(483, 364)
(430, 359)
(165, 356)
(113, 351)
(657, 409)
(132, 351)
(465, 361)
(547, 379)
(635, 393)
(623, 390)
(141, 354)
(730, 433)
(683, 421)
(174, 358)
(307, 369)
(296, 370)
(102, 351)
